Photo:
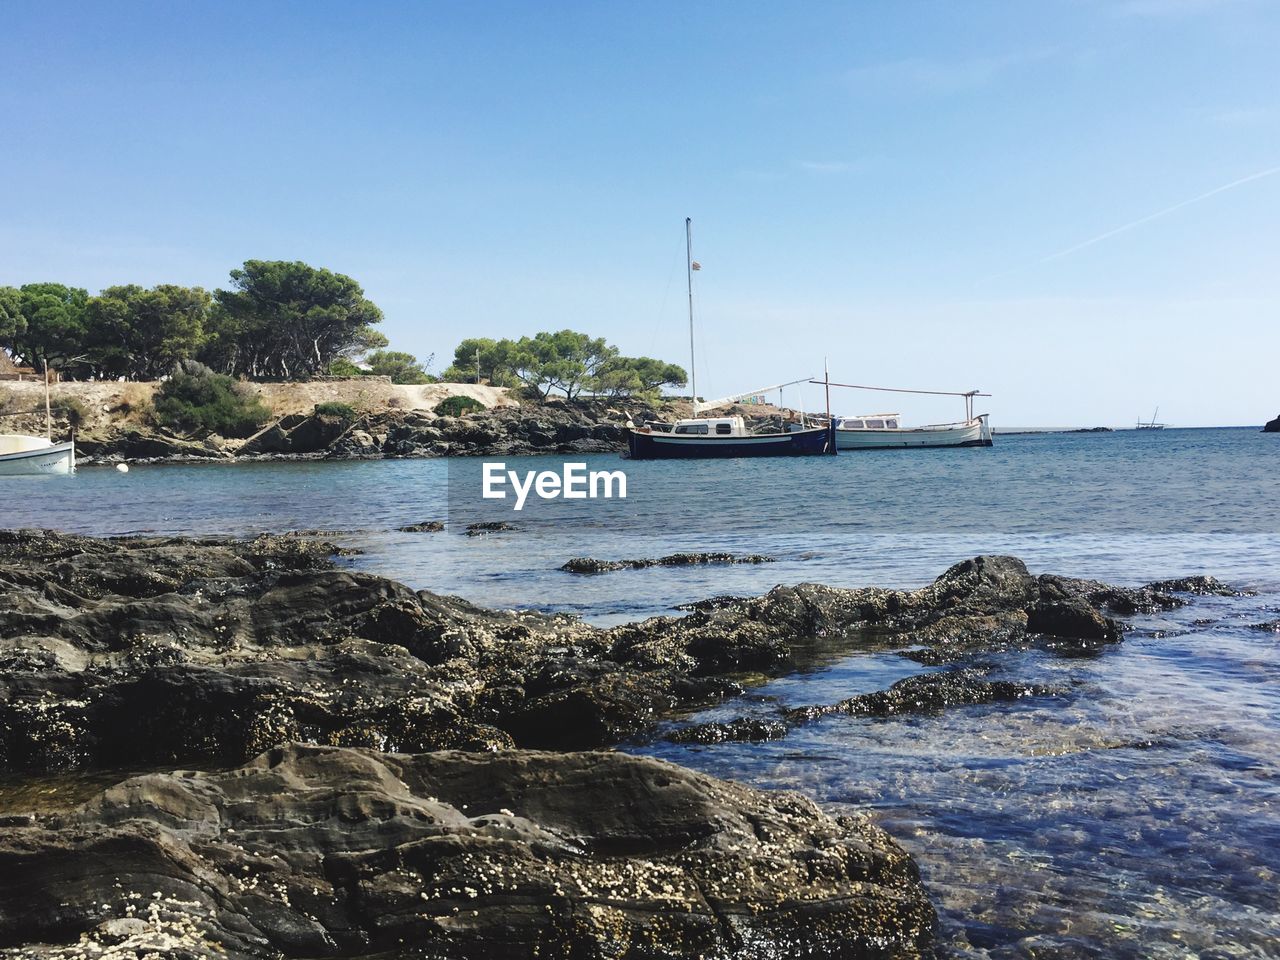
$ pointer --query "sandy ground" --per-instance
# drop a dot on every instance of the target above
(114, 402)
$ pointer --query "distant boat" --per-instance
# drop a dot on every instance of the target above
(1151, 424)
(718, 437)
(26, 456)
(882, 431)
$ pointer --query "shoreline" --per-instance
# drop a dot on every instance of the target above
(159, 653)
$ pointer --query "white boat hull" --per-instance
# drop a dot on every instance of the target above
(971, 433)
(38, 459)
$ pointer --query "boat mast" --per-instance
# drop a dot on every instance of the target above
(693, 367)
(48, 415)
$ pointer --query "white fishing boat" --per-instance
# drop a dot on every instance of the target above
(22, 455)
(884, 431)
(25, 456)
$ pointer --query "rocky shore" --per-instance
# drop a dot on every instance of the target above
(371, 765)
(379, 431)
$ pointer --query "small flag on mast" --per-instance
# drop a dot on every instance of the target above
(695, 265)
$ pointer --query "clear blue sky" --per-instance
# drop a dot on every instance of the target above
(889, 184)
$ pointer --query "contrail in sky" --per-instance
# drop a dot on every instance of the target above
(1160, 213)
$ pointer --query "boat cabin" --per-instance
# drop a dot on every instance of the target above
(871, 421)
(21, 443)
(712, 427)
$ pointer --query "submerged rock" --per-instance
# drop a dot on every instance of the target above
(925, 693)
(326, 852)
(591, 565)
(741, 730)
(1200, 585)
(488, 526)
(426, 526)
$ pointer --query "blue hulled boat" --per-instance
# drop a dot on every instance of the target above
(724, 438)
(721, 438)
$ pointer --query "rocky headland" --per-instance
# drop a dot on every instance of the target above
(367, 769)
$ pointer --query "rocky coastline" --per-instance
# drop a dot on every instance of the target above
(328, 763)
(378, 430)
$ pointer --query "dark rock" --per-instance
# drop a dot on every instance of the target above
(488, 526)
(591, 565)
(138, 444)
(926, 692)
(426, 526)
(297, 433)
(1272, 426)
(741, 730)
(1072, 619)
(1199, 585)
(144, 652)
(326, 851)
(1269, 626)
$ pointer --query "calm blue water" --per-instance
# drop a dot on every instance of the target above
(1138, 816)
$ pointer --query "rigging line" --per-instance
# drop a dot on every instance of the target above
(936, 393)
(662, 310)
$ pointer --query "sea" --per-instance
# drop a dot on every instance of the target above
(1137, 815)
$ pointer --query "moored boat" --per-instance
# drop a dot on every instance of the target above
(723, 438)
(885, 431)
(719, 437)
(22, 455)
(25, 456)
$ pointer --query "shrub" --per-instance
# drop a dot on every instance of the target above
(336, 408)
(342, 367)
(401, 367)
(201, 401)
(457, 406)
(68, 408)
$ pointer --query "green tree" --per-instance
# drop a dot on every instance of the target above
(565, 360)
(142, 334)
(637, 376)
(53, 320)
(289, 320)
(399, 366)
(495, 362)
(12, 323)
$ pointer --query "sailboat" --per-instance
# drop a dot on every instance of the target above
(22, 455)
(1151, 424)
(718, 437)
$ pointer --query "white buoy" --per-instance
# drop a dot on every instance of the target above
(122, 467)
